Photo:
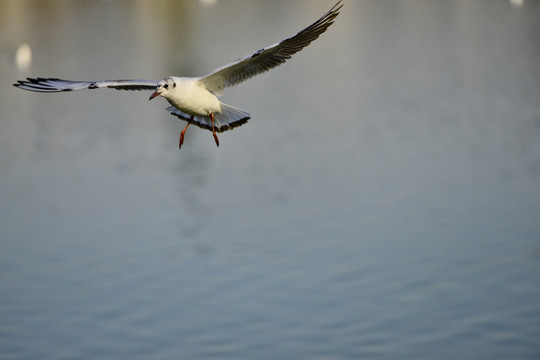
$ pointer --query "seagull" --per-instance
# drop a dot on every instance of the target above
(195, 99)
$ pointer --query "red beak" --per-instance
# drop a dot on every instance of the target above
(154, 94)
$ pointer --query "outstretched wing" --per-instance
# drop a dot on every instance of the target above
(267, 58)
(58, 85)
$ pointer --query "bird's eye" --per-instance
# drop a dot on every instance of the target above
(166, 86)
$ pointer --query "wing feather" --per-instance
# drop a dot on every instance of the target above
(58, 85)
(267, 58)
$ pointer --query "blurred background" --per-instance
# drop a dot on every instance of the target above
(383, 202)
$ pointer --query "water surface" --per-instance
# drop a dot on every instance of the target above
(382, 203)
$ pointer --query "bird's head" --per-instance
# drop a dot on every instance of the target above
(164, 88)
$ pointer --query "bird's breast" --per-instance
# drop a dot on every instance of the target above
(191, 97)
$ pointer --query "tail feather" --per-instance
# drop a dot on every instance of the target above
(229, 118)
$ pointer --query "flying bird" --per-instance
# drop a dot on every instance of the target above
(195, 99)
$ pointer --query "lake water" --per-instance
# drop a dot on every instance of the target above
(382, 203)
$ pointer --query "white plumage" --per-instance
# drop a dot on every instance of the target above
(195, 99)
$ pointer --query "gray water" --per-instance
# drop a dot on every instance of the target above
(382, 203)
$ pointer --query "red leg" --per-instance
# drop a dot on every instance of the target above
(183, 133)
(214, 129)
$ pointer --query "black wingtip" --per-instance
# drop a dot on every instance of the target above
(28, 80)
(20, 83)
